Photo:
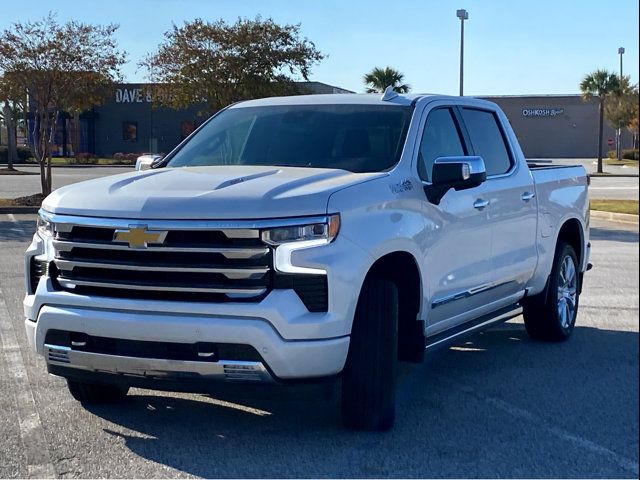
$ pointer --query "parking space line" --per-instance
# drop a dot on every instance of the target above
(517, 412)
(35, 447)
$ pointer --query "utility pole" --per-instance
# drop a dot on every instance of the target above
(463, 15)
(619, 132)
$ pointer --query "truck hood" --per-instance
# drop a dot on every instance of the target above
(201, 193)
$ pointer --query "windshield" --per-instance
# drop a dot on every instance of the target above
(358, 138)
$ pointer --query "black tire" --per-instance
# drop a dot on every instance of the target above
(369, 376)
(95, 393)
(542, 317)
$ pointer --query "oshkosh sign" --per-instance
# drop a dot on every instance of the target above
(132, 95)
(542, 112)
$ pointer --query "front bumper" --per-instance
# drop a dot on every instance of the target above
(283, 359)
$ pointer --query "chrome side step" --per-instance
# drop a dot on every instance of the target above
(452, 335)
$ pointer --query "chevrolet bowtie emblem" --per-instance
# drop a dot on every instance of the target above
(137, 236)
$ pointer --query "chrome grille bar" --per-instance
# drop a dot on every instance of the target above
(231, 273)
(249, 292)
(230, 252)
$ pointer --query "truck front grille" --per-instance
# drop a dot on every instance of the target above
(206, 264)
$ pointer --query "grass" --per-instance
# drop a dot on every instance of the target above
(622, 163)
(615, 206)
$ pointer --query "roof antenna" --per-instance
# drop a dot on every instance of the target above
(388, 94)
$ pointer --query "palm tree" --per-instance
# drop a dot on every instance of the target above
(601, 84)
(380, 78)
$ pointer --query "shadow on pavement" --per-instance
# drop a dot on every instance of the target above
(20, 231)
(459, 415)
(613, 235)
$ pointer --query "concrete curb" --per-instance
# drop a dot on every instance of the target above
(613, 175)
(17, 209)
(615, 217)
(34, 165)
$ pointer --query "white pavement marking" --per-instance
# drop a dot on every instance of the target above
(615, 188)
(18, 228)
(31, 432)
(581, 442)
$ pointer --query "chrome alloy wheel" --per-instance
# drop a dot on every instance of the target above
(567, 291)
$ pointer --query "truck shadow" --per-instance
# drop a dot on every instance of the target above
(456, 414)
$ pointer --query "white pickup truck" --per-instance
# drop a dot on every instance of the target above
(302, 238)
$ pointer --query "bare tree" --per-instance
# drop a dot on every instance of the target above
(58, 67)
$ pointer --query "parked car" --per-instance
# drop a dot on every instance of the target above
(302, 238)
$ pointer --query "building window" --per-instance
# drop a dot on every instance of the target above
(130, 131)
(186, 128)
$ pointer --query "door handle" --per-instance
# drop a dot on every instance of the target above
(526, 196)
(480, 203)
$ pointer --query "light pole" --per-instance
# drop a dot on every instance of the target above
(463, 15)
(619, 132)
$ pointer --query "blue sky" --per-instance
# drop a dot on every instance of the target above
(512, 47)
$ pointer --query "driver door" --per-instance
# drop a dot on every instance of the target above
(457, 249)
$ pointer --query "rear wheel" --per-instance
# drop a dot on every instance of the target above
(369, 376)
(551, 316)
(92, 393)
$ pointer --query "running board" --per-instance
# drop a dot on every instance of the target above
(452, 335)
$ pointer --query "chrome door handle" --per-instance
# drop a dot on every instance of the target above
(480, 204)
(526, 196)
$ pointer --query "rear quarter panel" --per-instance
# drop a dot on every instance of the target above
(563, 195)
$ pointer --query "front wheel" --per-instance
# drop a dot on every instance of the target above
(94, 393)
(551, 316)
(369, 376)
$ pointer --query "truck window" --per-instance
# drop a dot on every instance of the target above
(440, 138)
(487, 140)
(357, 138)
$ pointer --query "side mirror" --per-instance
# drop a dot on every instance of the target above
(459, 173)
(144, 162)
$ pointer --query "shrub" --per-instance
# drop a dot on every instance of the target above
(612, 154)
(126, 158)
(630, 154)
(84, 158)
(24, 153)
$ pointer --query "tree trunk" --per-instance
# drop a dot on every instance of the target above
(12, 148)
(600, 130)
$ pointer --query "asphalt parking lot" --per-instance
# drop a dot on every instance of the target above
(22, 185)
(500, 405)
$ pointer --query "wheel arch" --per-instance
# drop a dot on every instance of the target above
(402, 268)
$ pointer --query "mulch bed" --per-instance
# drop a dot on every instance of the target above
(28, 201)
(6, 171)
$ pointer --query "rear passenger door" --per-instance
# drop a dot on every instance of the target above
(513, 207)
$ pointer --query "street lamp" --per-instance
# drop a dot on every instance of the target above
(463, 15)
(619, 132)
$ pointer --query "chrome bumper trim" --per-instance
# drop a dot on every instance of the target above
(222, 370)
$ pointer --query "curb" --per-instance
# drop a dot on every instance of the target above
(17, 209)
(35, 165)
(613, 175)
(615, 217)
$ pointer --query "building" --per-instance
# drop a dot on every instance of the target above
(558, 126)
(547, 126)
(129, 123)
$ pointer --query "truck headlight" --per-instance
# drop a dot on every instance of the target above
(326, 231)
(46, 227)
(298, 237)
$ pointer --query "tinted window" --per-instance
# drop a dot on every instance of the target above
(358, 138)
(487, 140)
(130, 131)
(440, 139)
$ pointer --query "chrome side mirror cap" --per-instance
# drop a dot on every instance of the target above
(459, 173)
(144, 162)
